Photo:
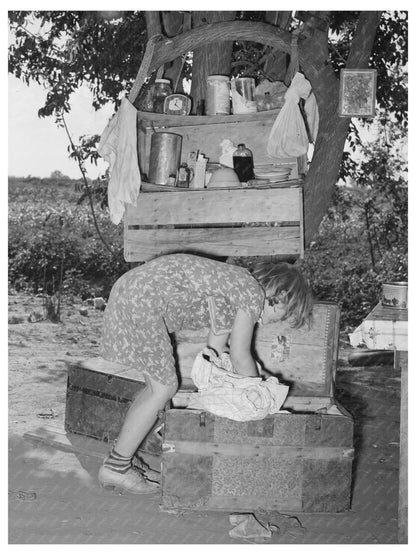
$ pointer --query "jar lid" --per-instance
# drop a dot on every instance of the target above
(218, 77)
(162, 81)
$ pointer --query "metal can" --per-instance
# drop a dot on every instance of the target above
(217, 95)
(165, 157)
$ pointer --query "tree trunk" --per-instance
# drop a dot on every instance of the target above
(173, 24)
(277, 61)
(153, 24)
(215, 58)
(333, 130)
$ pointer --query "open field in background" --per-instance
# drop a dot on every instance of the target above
(53, 241)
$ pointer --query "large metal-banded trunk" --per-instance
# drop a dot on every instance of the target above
(97, 399)
(286, 462)
(304, 358)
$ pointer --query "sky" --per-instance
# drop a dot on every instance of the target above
(36, 146)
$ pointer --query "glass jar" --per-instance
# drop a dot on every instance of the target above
(217, 95)
(161, 90)
(243, 163)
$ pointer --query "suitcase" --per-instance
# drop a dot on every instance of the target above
(305, 358)
(98, 396)
(286, 462)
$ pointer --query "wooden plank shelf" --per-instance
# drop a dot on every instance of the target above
(260, 220)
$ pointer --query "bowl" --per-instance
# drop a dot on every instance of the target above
(224, 177)
(394, 294)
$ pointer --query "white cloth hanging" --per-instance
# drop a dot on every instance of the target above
(118, 147)
(223, 392)
(288, 136)
(312, 115)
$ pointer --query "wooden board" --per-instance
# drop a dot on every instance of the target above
(243, 222)
(227, 206)
(383, 328)
(286, 462)
(404, 444)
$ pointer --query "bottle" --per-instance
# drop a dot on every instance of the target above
(162, 89)
(268, 103)
(243, 163)
(184, 176)
(200, 108)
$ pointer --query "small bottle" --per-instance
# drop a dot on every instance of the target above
(268, 104)
(162, 89)
(200, 108)
(243, 163)
(183, 176)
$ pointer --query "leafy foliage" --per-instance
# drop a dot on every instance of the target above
(49, 232)
(362, 242)
(74, 48)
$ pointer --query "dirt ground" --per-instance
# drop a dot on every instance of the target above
(54, 497)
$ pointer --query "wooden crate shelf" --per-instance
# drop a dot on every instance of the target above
(220, 222)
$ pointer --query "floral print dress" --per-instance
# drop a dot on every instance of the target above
(169, 293)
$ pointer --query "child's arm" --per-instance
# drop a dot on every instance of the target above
(240, 345)
(218, 342)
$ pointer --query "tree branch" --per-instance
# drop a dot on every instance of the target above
(264, 33)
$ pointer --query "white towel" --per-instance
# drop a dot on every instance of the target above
(225, 393)
(118, 147)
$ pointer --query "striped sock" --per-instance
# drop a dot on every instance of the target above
(117, 462)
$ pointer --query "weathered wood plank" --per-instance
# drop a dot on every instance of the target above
(219, 206)
(252, 450)
(233, 503)
(403, 465)
(149, 119)
(144, 244)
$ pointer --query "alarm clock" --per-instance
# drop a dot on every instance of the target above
(177, 104)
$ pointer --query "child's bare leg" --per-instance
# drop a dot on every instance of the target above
(117, 471)
(142, 415)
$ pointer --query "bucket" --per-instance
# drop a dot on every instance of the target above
(165, 157)
(395, 294)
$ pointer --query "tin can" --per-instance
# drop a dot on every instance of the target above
(395, 294)
(165, 157)
(217, 95)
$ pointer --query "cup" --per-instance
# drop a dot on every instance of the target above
(394, 294)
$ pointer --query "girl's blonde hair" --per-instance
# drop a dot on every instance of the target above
(284, 282)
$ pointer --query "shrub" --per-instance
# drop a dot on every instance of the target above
(49, 237)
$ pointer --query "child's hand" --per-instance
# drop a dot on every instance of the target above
(265, 373)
